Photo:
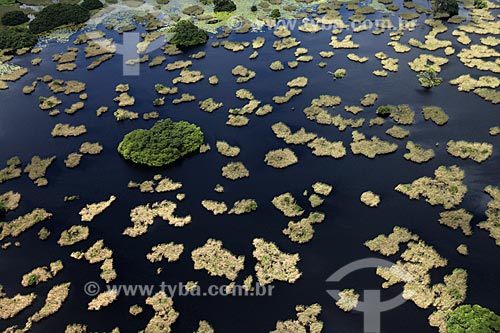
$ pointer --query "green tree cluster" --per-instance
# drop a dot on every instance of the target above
(384, 110)
(163, 144)
(480, 4)
(275, 14)
(473, 319)
(56, 15)
(15, 38)
(446, 6)
(91, 4)
(15, 17)
(187, 34)
(224, 6)
(428, 78)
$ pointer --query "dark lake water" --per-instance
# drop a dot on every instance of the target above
(25, 131)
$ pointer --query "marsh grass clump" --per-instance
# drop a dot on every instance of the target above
(273, 264)
(494, 131)
(163, 90)
(43, 234)
(413, 271)
(244, 206)
(158, 184)
(377, 121)
(37, 168)
(370, 199)
(41, 274)
(476, 151)
(209, 105)
(53, 302)
(66, 130)
(225, 149)
(165, 314)
(446, 188)
(108, 273)
(217, 260)
(264, 110)
(302, 231)
(390, 244)
(173, 140)
(122, 114)
(102, 300)
(401, 114)
(298, 82)
(188, 77)
(287, 97)
(235, 170)
(143, 216)
(456, 219)
(322, 188)
(91, 148)
(98, 252)
(47, 103)
(299, 137)
(92, 210)
(346, 43)
(436, 114)
(348, 300)
(135, 310)
(237, 120)
(371, 148)
(277, 66)
(216, 207)
(339, 73)
(323, 147)
(285, 43)
(73, 235)
(12, 170)
(281, 158)
(287, 205)
(243, 73)
(307, 320)
(9, 201)
(169, 251)
(204, 327)
(19, 225)
(492, 222)
(397, 132)
(418, 154)
(11, 306)
(185, 98)
(369, 99)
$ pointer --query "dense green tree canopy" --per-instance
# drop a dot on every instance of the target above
(224, 6)
(91, 4)
(187, 34)
(58, 14)
(473, 319)
(446, 6)
(15, 17)
(17, 39)
(164, 143)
